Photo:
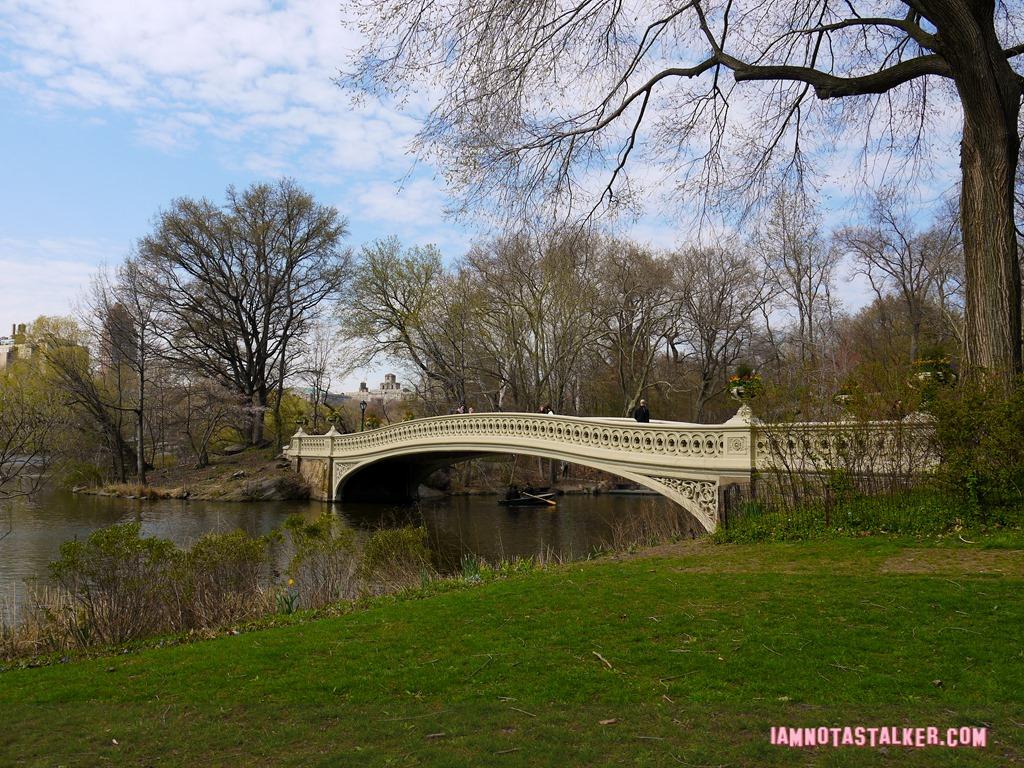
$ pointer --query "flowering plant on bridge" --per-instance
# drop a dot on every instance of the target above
(745, 384)
(934, 369)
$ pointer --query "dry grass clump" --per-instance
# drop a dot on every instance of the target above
(139, 491)
(395, 559)
(649, 525)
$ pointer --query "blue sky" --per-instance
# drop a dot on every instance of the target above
(109, 109)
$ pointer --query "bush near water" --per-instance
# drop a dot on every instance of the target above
(117, 586)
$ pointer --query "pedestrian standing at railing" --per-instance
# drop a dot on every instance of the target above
(641, 413)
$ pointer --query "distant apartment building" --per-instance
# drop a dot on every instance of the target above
(14, 346)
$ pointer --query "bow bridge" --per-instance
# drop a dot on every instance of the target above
(688, 463)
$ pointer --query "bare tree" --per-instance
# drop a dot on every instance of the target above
(636, 301)
(235, 285)
(720, 291)
(534, 96)
(122, 319)
(406, 306)
(323, 358)
(944, 251)
(799, 265)
(204, 408)
(76, 374)
(539, 314)
(895, 257)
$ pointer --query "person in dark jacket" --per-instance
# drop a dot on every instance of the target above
(641, 413)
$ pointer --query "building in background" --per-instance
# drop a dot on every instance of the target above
(14, 346)
(387, 392)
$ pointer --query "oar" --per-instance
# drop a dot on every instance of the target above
(530, 495)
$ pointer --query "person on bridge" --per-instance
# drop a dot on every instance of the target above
(641, 414)
(546, 409)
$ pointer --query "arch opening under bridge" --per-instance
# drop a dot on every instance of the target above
(397, 478)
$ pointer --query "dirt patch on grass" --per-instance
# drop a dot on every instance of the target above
(703, 556)
(940, 560)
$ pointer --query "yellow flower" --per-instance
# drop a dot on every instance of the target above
(291, 582)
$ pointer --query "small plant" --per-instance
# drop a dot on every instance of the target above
(288, 599)
(934, 367)
(470, 567)
(745, 384)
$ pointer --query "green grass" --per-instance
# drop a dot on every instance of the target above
(917, 512)
(708, 647)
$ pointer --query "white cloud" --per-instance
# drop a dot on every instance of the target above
(417, 203)
(45, 277)
(244, 71)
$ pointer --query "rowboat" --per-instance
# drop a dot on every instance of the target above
(529, 500)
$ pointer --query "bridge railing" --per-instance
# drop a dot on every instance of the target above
(739, 445)
(727, 445)
(869, 447)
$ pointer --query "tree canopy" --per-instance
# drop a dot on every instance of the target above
(588, 104)
(236, 285)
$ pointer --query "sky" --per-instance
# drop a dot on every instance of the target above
(110, 109)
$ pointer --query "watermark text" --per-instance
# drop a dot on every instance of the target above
(880, 736)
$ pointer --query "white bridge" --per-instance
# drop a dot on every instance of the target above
(688, 463)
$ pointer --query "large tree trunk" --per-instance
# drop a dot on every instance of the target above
(140, 453)
(992, 338)
(990, 93)
(140, 418)
(259, 408)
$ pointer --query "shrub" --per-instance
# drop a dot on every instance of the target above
(979, 434)
(324, 565)
(79, 473)
(117, 585)
(395, 558)
(222, 579)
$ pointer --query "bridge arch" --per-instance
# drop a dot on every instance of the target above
(697, 495)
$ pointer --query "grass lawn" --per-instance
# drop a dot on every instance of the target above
(685, 656)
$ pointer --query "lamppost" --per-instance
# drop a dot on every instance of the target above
(362, 415)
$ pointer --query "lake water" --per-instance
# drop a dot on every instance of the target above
(457, 525)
